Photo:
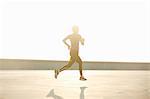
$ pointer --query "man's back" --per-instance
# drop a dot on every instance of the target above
(74, 39)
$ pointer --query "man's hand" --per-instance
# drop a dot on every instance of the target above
(82, 41)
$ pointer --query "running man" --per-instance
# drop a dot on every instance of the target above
(74, 38)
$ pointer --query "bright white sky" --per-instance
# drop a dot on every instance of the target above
(114, 30)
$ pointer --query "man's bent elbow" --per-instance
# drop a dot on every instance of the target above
(64, 40)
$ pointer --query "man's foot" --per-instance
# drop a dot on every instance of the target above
(56, 73)
(82, 78)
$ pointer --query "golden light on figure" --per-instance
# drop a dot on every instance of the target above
(75, 39)
(74, 49)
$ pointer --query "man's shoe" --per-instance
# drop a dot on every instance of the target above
(56, 73)
(82, 78)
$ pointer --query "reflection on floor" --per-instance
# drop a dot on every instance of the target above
(40, 84)
(52, 94)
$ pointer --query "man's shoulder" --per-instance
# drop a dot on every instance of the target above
(74, 35)
(79, 36)
(69, 35)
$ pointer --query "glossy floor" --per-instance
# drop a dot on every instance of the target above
(40, 84)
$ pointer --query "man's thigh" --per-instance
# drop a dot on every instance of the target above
(72, 60)
(78, 59)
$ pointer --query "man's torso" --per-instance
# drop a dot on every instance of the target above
(74, 39)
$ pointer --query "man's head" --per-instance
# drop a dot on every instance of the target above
(75, 29)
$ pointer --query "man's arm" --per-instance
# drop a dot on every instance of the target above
(82, 41)
(64, 40)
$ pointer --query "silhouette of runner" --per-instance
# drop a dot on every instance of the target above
(74, 38)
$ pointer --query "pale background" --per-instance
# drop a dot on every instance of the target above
(114, 30)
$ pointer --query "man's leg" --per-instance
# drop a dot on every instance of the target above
(79, 61)
(71, 61)
(57, 71)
